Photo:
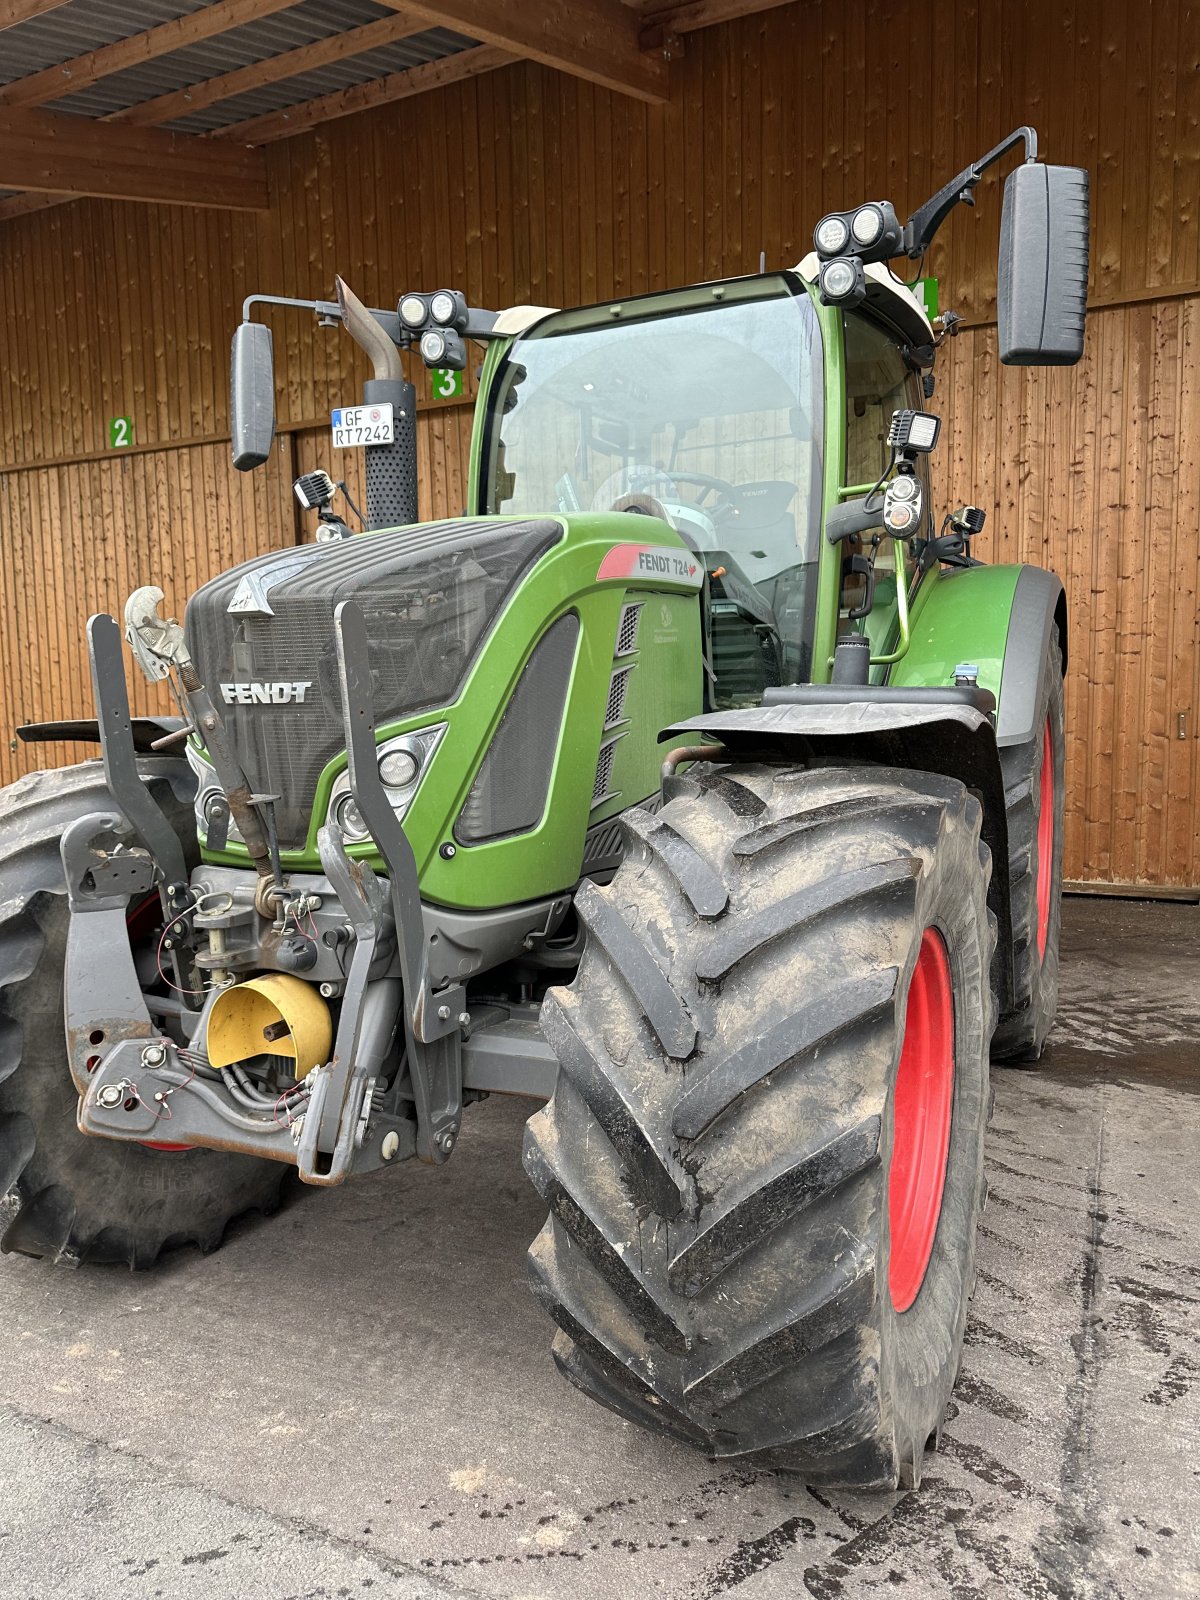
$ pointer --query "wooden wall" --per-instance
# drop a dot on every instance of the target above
(528, 186)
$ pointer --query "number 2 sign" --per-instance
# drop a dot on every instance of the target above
(120, 433)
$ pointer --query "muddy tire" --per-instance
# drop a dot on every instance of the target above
(1033, 797)
(78, 1198)
(734, 1254)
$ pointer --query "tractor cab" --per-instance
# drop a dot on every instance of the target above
(702, 408)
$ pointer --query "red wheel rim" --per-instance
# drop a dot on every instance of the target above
(921, 1105)
(1045, 840)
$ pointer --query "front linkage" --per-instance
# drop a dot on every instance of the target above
(137, 1080)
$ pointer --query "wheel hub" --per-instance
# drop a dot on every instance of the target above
(922, 1102)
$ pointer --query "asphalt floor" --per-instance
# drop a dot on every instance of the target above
(356, 1397)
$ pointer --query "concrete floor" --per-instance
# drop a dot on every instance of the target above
(357, 1398)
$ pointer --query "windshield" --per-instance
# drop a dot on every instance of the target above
(701, 406)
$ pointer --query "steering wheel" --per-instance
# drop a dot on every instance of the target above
(725, 498)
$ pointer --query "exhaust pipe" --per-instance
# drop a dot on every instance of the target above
(391, 469)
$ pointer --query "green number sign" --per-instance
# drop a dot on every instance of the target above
(926, 291)
(447, 383)
(120, 433)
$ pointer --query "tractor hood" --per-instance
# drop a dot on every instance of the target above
(262, 637)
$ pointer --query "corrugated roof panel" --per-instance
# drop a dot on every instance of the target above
(302, 24)
(82, 25)
(432, 46)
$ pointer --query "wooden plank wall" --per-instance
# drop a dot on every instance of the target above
(529, 186)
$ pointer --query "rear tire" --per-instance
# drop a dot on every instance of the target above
(1033, 799)
(80, 1198)
(719, 1154)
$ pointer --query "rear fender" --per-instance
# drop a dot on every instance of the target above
(956, 740)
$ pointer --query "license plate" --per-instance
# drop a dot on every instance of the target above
(354, 425)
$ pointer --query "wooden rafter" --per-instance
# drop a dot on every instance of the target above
(275, 69)
(593, 39)
(378, 92)
(47, 151)
(20, 205)
(685, 16)
(71, 76)
(13, 12)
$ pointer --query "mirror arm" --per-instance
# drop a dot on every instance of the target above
(928, 218)
(328, 312)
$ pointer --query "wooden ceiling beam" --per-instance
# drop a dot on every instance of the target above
(14, 12)
(47, 151)
(685, 16)
(69, 77)
(361, 97)
(275, 69)
(20, 205)
(593, 39)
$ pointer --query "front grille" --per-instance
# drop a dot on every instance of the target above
(428, 595)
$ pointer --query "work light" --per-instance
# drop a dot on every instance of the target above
(413, 311)
(831, 235)
(449, 308)
(867, 225)
(913, 430)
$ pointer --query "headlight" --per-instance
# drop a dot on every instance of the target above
(399, 768)
(402, 760)
(843, 281)
(207, 790)
(433, 347)
(442, 307)
(349, 819)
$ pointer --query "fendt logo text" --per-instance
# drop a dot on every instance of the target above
(265, 694)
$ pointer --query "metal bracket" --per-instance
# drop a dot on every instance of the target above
(121, 773)
(432, 1020)
(99, 879)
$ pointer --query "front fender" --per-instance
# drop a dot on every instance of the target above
(927, 734)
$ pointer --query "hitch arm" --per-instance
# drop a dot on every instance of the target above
(431, 1020)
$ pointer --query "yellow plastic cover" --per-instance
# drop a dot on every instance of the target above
(278, 1014)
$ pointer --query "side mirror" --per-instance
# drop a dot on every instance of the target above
(1041, 284)
(252, 395)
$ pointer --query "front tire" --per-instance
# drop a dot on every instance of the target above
(722, 1155)
(81, 1198)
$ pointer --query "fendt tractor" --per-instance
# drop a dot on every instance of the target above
(698, 781)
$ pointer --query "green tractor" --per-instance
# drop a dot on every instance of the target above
(697, 781)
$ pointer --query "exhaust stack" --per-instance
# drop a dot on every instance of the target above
(391, 469)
